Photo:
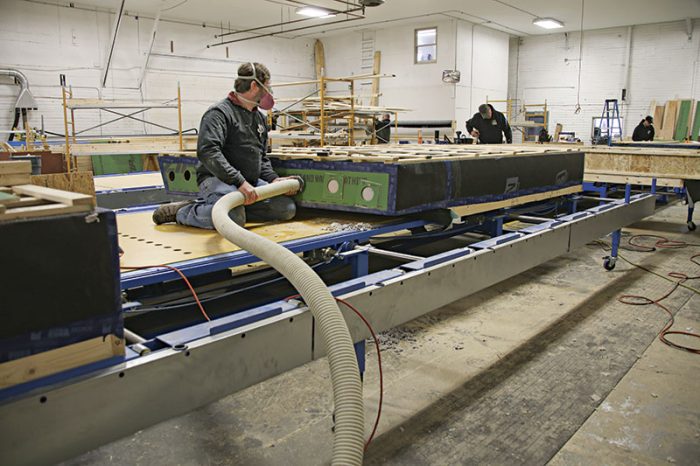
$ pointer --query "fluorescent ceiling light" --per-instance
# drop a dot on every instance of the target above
(315, 12)
(548, 23)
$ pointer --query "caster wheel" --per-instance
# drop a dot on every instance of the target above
(691, 225)
(609, 263)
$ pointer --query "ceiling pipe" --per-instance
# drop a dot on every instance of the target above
(25, 99)
(147, 57)
(112, 41)
(270, 34)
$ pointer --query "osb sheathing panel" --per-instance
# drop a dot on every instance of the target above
(668, 165)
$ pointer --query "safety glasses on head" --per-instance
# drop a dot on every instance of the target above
(267, 101)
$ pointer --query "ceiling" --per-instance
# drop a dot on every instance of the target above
(511, 16)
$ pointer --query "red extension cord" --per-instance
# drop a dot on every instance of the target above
(638, 300)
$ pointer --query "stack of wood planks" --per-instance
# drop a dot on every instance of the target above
(20, 199)
(676, 120)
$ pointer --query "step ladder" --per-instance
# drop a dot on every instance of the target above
(609, 120)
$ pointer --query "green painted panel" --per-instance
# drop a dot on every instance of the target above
(683, 121)
(695, 134)
(115, 164)
(179, 174)
(345, 188)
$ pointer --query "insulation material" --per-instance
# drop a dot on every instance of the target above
(51, 304)
(402, 180)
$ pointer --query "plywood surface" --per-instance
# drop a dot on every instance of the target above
(658, 117)
(145, 243)
(668, 163)
(134, 180)
(669, 124)
(632, 179)
(79, 182)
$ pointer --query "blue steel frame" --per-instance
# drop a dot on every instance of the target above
(179, 339)
(603, 189)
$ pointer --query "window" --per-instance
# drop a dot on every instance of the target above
(426, 45)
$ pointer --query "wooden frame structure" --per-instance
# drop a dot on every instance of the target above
(122, 110)
(321, 109)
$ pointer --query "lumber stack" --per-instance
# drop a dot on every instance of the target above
(19, 199)
(676, 120)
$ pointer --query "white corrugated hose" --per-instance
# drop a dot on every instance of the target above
(348, 446)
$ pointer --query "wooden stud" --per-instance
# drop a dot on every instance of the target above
(56, 195)
(60, 359)
(15, 167)
(13, 179)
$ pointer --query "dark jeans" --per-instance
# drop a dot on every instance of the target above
(198, 214)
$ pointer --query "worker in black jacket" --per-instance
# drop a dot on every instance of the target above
(231, 148)
(383, 129)
(644, 130)
(489, 126)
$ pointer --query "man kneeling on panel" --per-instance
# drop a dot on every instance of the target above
(231, 149)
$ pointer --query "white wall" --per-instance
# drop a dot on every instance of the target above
(419, 87)
(663, 65)
(484, 61)
(44, 41)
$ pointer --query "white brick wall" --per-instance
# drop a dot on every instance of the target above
(44, 41)
(663, 65)
(419, 87)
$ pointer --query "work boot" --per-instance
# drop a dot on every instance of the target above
(167, 213)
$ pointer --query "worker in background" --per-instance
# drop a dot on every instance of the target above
(489, 126)
(231, 149)
(644, 130)
(383, 129)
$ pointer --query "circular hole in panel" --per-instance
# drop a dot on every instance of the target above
(188, 175)
(333, 186)
(171, 175)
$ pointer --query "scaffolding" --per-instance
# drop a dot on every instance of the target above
(122, 110)
(540, 112)
(323, 111)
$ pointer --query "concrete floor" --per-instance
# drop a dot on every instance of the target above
(544, 367)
